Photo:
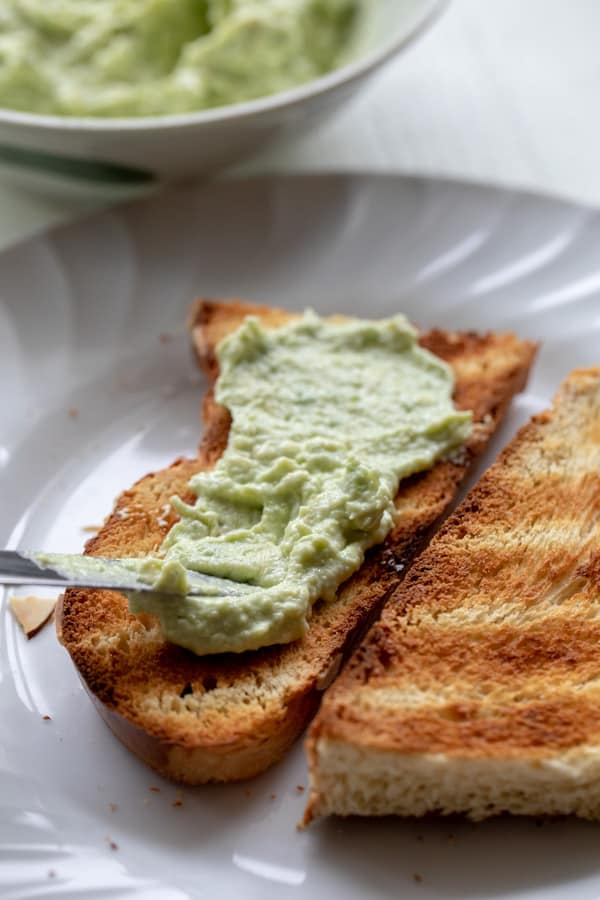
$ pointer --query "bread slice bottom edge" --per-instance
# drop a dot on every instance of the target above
(365, 782)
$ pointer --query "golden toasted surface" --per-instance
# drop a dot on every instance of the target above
(231, 716)
(488, 651)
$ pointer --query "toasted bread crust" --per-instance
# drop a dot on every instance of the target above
(229, 717)
(486, 657)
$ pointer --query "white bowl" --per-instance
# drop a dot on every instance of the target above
(130, 150)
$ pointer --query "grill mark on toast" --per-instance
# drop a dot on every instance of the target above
(505, 657)
(509, 583)
(531, 730)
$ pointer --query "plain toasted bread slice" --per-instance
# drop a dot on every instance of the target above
(478, 691)
(229, 717)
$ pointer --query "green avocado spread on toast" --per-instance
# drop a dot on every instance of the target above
(327, 418)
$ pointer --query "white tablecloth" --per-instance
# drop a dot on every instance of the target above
(505, 91)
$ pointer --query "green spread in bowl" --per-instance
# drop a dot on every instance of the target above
(122, 58)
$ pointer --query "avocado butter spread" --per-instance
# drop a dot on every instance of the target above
(155, 57)
(327, 417)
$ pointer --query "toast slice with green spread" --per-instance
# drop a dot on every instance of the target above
(229, 717)
(477, 691)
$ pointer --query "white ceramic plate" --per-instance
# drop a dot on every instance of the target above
(98, 388)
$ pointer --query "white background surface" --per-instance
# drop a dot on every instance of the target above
(504, 91)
